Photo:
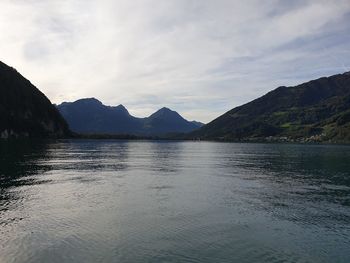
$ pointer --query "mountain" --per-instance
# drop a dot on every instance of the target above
(165, 121)
(91, 116)
(24, 110)
(318, 110)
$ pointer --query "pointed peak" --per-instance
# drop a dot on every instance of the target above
(121, 108)
(165, 109)
(165, 113)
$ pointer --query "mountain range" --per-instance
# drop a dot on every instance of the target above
(25, 111)
(90, 116)
(318, 110)
(315, 111)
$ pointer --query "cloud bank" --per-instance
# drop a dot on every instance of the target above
(198, 57)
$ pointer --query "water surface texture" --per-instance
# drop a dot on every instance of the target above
(143, 201)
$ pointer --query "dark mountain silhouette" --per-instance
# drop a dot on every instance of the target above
(165, 120)
(318, 110)
(91, 116)
(24, 110)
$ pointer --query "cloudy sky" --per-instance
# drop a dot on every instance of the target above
(198, 57)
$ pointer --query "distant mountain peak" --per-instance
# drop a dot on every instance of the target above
(165, 113)
(121, 108)
(91, 116)
(165, 109)
(88, 100)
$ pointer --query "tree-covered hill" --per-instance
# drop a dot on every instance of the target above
(318, 110)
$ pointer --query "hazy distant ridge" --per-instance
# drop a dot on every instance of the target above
(91, 116)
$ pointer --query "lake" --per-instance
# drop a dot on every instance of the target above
(166, 201)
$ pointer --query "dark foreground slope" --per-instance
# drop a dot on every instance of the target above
(90, 116)
(318, 110)
(24, 110)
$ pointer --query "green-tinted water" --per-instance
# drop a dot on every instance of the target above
(129, 201)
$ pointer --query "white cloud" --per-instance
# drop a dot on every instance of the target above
(200, 58)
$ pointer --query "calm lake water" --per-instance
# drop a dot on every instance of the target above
(141, 201)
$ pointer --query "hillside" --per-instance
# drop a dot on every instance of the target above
(90, 116)
(24, 110)
(318, 110)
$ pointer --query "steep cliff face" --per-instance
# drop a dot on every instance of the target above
(25, 111)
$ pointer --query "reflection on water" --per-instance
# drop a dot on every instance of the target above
(128, 201)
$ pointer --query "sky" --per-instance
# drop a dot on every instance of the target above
(198, 57)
